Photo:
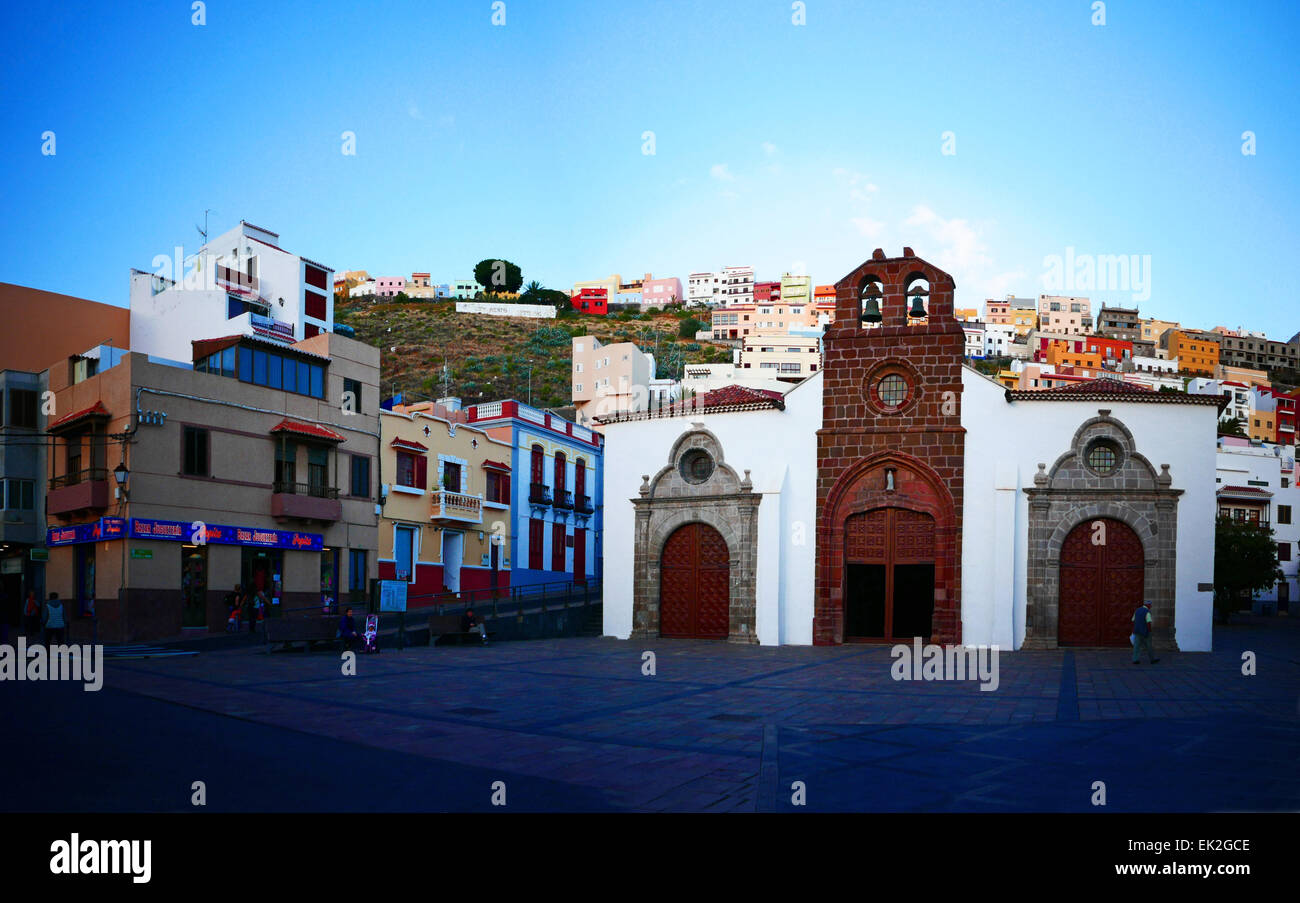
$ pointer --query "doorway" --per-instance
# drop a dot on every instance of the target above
(695, 580)
(194, 586)
(888, 575)
(1103, 572)
(453, 554)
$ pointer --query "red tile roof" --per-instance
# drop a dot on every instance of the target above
(408, 443)
(306, 429)
(1104, 389)
(95, 410)
(1245, 490)
(496, 465)
(726, 399)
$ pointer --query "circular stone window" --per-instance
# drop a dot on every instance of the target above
(892, 390)
(696, 466)
(1103, 457)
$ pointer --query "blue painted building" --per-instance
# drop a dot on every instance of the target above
(555, 496)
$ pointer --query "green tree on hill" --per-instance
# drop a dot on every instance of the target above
(497, 275)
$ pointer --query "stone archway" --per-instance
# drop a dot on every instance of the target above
(696, 486)
(1075, 491)
(888, 481)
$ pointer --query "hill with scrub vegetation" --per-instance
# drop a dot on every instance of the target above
(428, 350)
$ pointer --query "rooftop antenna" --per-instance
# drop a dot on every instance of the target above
(204, 231)
(446, 379)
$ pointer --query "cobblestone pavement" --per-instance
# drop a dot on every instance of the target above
(574, 724)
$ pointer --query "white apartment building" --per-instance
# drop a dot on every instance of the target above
(702, 289)
(974, 331)
(1064, 314)
(1255, 481)
(239, 283)
(735, 285)
(784, 357)
(998, 338)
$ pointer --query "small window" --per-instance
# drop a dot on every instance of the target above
(22, 408)
(1284, 514)
(352, 401)
(1103, 457)
(696, 466)
(360, 476)
(195, 458)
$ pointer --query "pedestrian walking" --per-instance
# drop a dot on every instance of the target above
(55, 621)
(1142, 633)
(31, 615)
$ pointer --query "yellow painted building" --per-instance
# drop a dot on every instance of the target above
(1262, 425)
(445, 526)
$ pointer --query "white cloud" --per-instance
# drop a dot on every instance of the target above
(958, 247)
(868, 228)
(720, 172)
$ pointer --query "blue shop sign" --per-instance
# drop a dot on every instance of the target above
(104, 529)
(221, 534)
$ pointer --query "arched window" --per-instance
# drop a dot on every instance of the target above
(560, 474)
(579, 480)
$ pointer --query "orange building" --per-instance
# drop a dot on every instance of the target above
(1059, 354)
(41, 327)
(1197, 352)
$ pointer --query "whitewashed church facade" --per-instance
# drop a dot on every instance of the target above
(900, 493)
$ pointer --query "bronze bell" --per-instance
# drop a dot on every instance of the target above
(871, 296)
(917, 310)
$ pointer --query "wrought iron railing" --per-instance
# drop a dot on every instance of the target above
(563, 498)
(539, 493)
(85, 475)
(584, 505)
(320, 492)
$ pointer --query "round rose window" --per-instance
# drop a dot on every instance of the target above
(696, 466)
(892, 390)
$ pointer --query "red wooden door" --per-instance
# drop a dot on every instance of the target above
(1102, 580)
(579, 555)
(695, 584)
(889, 557)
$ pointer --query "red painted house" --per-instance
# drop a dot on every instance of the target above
(591, 301)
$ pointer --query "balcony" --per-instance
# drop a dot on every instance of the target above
(539, 494)
(583, 505)
(305, 501)
(78, 491)
(564, 499)
(456, 507)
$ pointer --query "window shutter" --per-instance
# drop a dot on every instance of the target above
(421, 470)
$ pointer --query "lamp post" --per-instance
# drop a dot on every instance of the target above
(120, 475)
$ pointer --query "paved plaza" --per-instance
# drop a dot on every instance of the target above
(574, 725)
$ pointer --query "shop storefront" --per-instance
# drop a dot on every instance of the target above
(144, 578)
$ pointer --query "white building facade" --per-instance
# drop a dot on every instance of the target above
(833, 513)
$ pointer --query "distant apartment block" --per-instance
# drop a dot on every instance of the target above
(1064, 314)
(658, 293)
(783, 357)
(609, 378)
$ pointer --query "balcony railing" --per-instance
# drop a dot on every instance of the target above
(584, 505)
(311, 489)
(539, 493)
(563, 499)
(72, 478)
(456, 506)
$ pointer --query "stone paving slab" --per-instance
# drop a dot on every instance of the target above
(724, 727)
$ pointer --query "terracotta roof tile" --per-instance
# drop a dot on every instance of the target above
(306, 429)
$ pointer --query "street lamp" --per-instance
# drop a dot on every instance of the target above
(120, 473)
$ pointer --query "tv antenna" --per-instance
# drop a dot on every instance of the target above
(204, 230)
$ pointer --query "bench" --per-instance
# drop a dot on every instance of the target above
(308, 631)
(448, 626)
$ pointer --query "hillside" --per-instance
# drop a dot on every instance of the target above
(488, 358)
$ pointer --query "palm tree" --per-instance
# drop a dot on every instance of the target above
(533, 288)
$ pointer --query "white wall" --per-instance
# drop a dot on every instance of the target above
(534, 311)
(1005, 443)
(779, 448)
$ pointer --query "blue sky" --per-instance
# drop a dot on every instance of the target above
(788, 147)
